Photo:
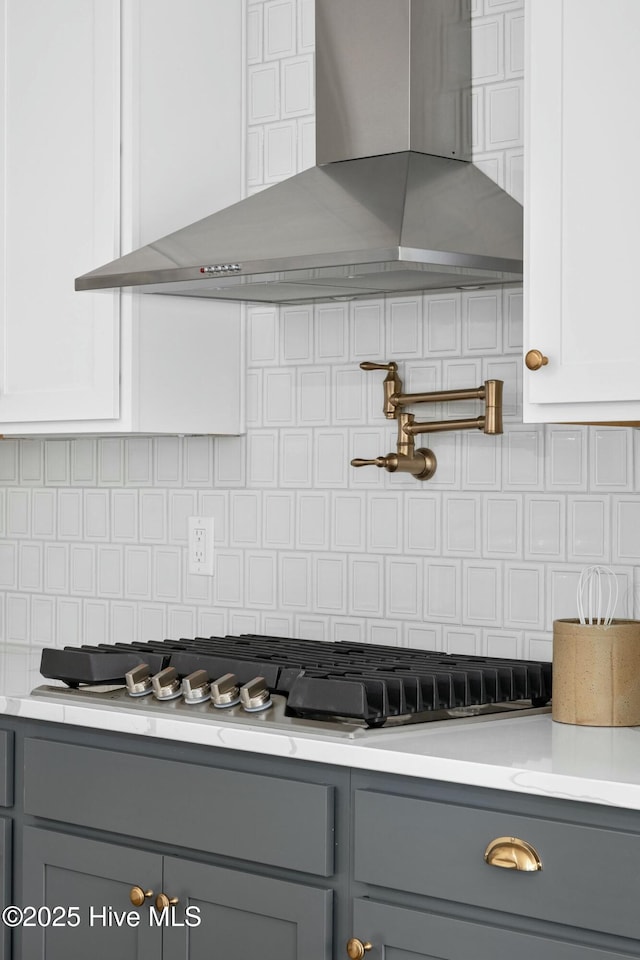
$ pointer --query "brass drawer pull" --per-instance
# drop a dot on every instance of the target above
(535, 359)
(138, 895)
(513, 854)
(356, 948)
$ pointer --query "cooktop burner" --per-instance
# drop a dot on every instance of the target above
(359, 683)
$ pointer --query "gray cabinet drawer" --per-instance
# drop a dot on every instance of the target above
(397, 932)
(6, 768)
(271, 820)
(590, 877)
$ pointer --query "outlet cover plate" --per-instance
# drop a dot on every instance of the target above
(200, 546)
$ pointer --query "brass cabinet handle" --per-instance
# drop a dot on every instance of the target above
(513, 854)
(535, 359)
(356, 948)
(163, 901)
(138, 896)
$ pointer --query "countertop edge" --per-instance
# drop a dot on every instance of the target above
(422, 755)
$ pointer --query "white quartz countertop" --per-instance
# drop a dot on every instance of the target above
(528, 754)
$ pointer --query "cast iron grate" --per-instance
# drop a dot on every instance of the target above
(372, 683)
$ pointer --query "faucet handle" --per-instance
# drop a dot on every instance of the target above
(378, 462)
(392, 385)
(392, 367)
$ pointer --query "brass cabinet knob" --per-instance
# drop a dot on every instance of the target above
(535, 359)
(138, 896)
(163, 901)
(356, 949)
(513, 854)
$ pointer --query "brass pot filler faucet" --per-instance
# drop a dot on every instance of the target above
(422, 462)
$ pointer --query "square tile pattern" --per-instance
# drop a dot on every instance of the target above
(479, 560)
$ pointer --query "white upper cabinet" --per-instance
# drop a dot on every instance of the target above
(582, 210)
(60, 203)
(120, 123)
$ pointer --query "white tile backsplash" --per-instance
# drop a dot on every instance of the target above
(138, 469)
(110, 461)
(329, 578)
(31, 463)
(56, 462)
(295, 581)
(478, 560)
(296, 330)
(83, 561)
(43, 514)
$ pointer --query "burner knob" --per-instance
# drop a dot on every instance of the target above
(138, 681)
(255, 696)
(195, 687)
(225, 692)
(166, 684)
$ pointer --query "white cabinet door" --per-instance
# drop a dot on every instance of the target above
(182, 160)
(123, 122)
(59, 206)
(582, 209)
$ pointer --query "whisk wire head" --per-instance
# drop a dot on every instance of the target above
(597, 584)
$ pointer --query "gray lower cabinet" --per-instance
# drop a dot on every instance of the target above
(397, 933)
(219, 911)
(397, 839)
(246, 915)
(6, 768)
(5, 884)
(283, 860)
(66, 871)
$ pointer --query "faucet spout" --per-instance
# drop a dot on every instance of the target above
(422, 463)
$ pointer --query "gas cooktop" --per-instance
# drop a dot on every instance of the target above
(284, 679)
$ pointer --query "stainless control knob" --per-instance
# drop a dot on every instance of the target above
(225, 691)
(255, 696)
(138, 681)
(196, 688)
(166, 684)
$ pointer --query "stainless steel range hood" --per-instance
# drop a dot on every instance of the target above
(394, 205)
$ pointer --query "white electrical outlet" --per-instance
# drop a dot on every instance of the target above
(201, 545)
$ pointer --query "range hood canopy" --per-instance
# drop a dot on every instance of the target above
(394, 206)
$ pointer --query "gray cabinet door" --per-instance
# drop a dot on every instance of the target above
(396, 933)
(5, 884)
(245, 915)
(6, 768)
(66, 871)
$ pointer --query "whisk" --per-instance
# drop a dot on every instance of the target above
(597, 595)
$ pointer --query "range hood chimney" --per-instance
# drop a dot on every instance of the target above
(394, 205)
